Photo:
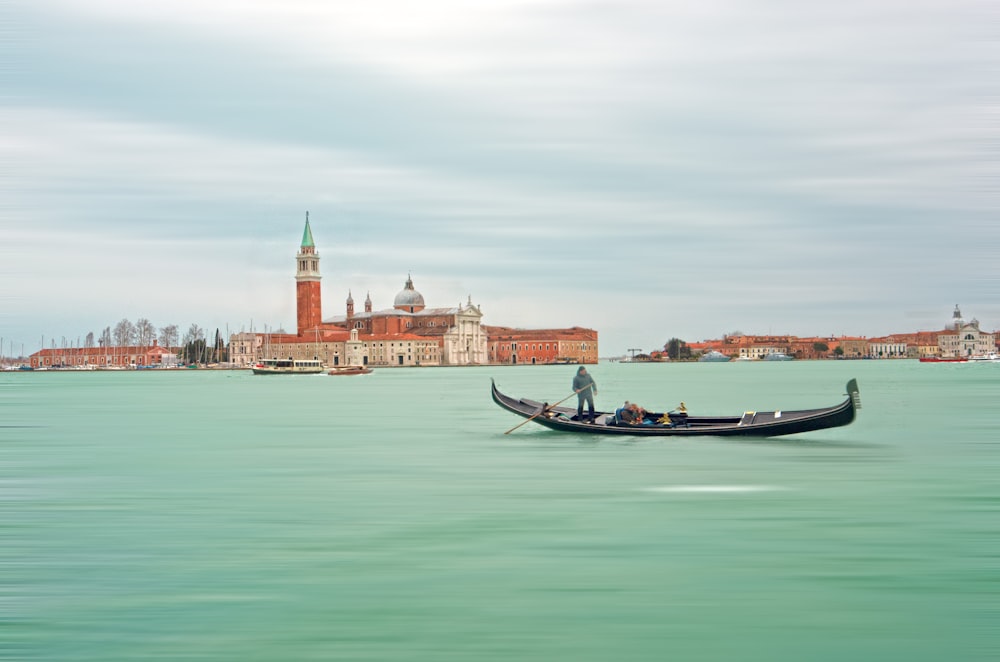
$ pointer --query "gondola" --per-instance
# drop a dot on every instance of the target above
(748, 424)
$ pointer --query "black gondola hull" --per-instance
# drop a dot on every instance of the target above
(750, 424)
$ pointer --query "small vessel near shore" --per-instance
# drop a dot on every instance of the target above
(288, 367)
(992, 357)
(749, 424)
(778, 356)
(714, 356)
(349, 370)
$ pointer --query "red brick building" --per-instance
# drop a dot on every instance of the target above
(102, 357)
(541, 346)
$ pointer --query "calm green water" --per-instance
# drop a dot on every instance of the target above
(223, 516)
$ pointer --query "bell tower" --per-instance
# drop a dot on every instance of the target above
(307, 287)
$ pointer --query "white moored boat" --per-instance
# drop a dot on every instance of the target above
(777, 356)
(714, 356)
(288, 367)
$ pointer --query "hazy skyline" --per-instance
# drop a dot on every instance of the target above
(647, 169)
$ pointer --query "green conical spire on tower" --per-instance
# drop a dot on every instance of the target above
(307, 235)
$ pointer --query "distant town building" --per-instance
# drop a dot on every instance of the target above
(924, 344)
(886, 348)
(918, 345)
(245, 348)
(756, 352)
(958, 339)
(813, 348)
(853, 347)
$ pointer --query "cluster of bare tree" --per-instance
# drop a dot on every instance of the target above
(193, 346)
(142, 333)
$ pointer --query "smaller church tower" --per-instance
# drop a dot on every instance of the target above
(368, 303)
(307, 287)
(956, 320)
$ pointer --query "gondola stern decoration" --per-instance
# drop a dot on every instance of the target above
(854, 393)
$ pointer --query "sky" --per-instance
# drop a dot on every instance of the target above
(649, 169)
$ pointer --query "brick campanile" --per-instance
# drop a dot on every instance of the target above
(307, 288)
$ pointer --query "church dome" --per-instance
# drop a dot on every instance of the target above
(409, 298)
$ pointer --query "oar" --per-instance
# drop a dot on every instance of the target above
(545, 409)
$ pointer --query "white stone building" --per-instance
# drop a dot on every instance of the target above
(965, 338)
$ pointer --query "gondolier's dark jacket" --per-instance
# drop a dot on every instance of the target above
(582, 381)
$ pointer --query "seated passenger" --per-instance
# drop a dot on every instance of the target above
(633, 414)
(626, 414)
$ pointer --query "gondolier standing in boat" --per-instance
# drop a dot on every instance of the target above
(586, 389)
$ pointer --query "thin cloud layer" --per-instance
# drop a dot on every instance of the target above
(772, 166)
